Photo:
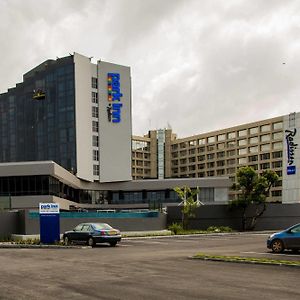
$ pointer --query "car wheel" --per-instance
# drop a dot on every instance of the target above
(113, 244)
(67, 242)
(91, 242)
(277, 246)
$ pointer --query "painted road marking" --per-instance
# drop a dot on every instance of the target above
(268, 253)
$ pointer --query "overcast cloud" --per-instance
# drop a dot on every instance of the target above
(196, 65)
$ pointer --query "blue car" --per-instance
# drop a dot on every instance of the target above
(286, 239)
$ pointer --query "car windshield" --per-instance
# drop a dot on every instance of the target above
(101, 226)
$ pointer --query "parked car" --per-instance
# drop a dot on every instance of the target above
(92, 233)
(286, 239)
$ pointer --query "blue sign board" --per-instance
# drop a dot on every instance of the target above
(49, 223)
(291, 146)
(114, 98)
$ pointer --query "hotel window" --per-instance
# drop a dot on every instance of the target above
(95, 155)
(230, 144)
(242, 151)
(211, 139)
(183, 169)
(242, 132)
(201, 166)
(220, 172)
(201, 157)
(94, 83)
(183, 161)
(211, 148)
(253, 140)
(221, 146)
(265, 128)
(277, 145)
(253, 149)
(211, 156)
(95, 141)
(277, 125)
(277, 193)
(94, 97)
(242, 160)
(277, 154)
(230, 170)
(183, 152)
(95, 112)
(96, 170)
(210, 165)
(174, 147)
(193, 143)
(265, 166)
(277, 135)
(201, 142)
(220, 154)
(253, 130)
(191, 151)
(221, 137)
(192, 159)
(265, 156)
(231, 153)
(201, 174)
(210, 173)
(220, 163)
(265, 147)
(277, 164)
(253, 158)
(231, 135)
(265, 138)
(183, 145)
(230, 162)
(95, 126)
(201, 149)
(242, 142)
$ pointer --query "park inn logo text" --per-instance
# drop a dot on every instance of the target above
(114, 98)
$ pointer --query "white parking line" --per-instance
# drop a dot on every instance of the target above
(268, 253)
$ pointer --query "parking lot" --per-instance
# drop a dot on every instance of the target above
(148, 269)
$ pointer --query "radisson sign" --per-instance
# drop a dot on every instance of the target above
(291, 146)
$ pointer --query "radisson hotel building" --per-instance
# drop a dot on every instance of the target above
(267, 144)
(66, 137)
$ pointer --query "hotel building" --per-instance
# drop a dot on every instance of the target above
(66, 136)
(267, 144)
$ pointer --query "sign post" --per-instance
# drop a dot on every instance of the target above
(49, 223)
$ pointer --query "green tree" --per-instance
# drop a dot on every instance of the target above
(254, 189)
(189, 203)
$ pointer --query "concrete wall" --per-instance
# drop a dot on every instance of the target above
(277, 216)
(31, 225)
(9, 223)
(83, 118)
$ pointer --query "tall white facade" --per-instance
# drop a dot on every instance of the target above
(103, 120)
(291, 159)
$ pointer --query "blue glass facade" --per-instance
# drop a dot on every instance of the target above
(35, 130)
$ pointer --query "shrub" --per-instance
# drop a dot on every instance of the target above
(219, 229)
(175, 228)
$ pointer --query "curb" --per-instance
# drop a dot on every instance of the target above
(241, 261)
(27, 246)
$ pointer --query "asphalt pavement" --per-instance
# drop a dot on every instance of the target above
(141, 268)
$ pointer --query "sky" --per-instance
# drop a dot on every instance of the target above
(196, 65)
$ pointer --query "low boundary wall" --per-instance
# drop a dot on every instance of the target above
(276, 216)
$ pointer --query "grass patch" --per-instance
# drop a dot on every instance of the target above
(204, 256)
